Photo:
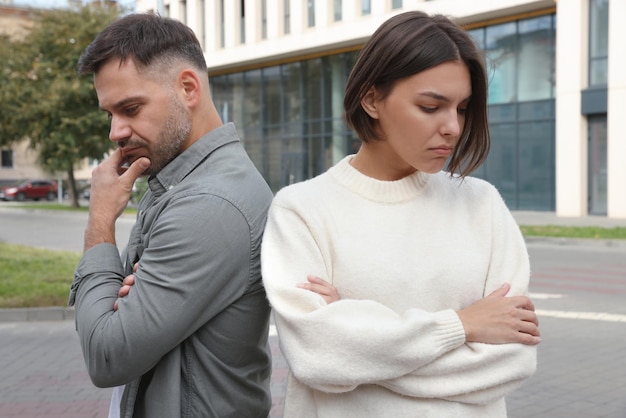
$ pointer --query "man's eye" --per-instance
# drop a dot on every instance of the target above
(131, 110)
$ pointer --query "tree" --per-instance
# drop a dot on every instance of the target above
(43, 99)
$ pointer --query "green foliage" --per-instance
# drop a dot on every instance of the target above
(41, 95)
(34, 277)
(590, 232)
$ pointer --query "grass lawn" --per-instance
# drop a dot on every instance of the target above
(31, 277)
(589, 232)
(65, 207)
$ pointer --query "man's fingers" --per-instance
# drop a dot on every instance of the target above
(137, 168)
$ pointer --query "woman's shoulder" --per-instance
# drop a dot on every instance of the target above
(307, 190)
(465, 187)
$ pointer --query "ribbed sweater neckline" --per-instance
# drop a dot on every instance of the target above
(382, 191)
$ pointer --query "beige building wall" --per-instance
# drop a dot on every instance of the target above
(571, 127)
(616, 111)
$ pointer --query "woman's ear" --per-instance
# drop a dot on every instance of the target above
(370, 103)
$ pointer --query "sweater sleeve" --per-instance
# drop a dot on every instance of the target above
(336, 347)
(481, 373)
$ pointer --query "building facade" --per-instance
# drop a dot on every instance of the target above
(556, 95)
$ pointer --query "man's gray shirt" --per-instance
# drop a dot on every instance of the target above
(191, 338)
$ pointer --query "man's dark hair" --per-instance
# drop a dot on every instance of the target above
(146, 38)
(407, 44)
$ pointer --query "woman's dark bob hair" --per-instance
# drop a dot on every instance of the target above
(407, 44)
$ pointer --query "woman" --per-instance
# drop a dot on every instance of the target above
(415, 303)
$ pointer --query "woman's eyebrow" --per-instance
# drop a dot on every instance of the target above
(440, 97)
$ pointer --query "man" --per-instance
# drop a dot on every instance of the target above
(191, 337)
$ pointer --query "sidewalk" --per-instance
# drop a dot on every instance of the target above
(44, 373)
(550, 218)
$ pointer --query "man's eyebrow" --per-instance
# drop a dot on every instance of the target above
(121, 103)
(440, 97)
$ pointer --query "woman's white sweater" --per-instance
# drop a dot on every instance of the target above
(404, 256)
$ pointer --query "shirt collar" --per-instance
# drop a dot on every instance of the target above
(177, 169)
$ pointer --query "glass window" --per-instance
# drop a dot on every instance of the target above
(366, 7)
(183, 11)
(242, 21)
(312, 112)
(263, 19)
(598, 42)
(597, 165)
(271, 113)
(287, 17)
(479, 37)
(534, 57)
(221, 93)
(222, 25)
(292, 154)
(501, 165)
(536, 165)
(501, 45)
(311, 13)
(253, 99)
(337, 14)
(7, 158)
(202, 28)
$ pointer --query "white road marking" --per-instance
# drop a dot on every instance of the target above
(546, 296)
(592, 316)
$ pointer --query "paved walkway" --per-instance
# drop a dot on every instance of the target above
(43, 374)
(550, 218)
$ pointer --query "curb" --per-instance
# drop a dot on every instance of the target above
(36, 314)
(577, 242)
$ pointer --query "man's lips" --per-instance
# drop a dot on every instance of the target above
(128, 152)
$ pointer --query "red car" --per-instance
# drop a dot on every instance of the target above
(33, 189)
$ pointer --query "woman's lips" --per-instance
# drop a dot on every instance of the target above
(443, 151)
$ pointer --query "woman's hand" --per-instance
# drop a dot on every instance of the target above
(497, 319)
(322, 288)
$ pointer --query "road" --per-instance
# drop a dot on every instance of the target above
(578, 289)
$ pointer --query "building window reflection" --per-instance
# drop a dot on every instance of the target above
(290, 115)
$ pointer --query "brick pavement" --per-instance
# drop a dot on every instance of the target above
(580, 373)
(42, 373)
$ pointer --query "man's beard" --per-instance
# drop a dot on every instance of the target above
(175, 132)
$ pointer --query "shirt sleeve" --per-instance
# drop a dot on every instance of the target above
(196, 262)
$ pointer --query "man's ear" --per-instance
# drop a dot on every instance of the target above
(190, 86)
(370, 103)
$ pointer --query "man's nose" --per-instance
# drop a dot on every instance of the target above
(120, 129)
